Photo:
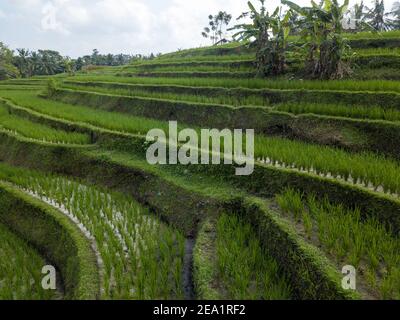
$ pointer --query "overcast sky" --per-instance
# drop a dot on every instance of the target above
(75, 27)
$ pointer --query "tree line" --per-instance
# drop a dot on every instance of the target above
(25, 63)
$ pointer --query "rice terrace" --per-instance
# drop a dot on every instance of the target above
(305, 96)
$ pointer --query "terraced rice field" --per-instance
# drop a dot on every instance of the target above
(77, 192)
(25, 281)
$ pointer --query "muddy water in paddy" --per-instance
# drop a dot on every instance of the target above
(188, 287)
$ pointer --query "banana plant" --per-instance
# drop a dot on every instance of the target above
(326, 49)
(268, 34)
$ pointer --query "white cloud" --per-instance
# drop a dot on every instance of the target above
(76, 14)
(50, 20)
(130, 26)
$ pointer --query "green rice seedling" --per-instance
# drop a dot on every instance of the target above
(224, 58)
(190, 68)
(308, 223)
(291, 202)
(255, 83)
(378, 51)
(348, 111)
(384, 73)
(30, 81)
(323, 160)
(20, 87)
(390, 286)
(190, 74)
(204, 51)
(246, 270)
(20, 270)
(109, 120)
(141, 258)
(352, 239)
(252, 100)
(392, 34)
(328, 161)
(38, 131)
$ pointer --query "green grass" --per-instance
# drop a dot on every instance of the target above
(21, 87)
(342, 85)
(141, 257)
(373, 35)
(245, 269)
(363, 35)
(108, 120)
(106, 70)
(190, 74)
(378, 52)
(20, 270)
(381, 73)
(199, 68)
(38, 131)
(348, 111)
(359, 167)
(202, 50)
(224, 58)
(351, 240)
(244, 57)
(27, 81)
(233, 100)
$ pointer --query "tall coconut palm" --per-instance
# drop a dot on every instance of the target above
(395, 21)
(217, 26)
(359, 15)
(377, 17)
(23, 62)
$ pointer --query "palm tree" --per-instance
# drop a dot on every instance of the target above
(23, 62)
(395, 22)
(377, 18)
(34, 63)
(216, 27)
(359, 15)
(95, 57)
(68, 65)
(110, 60)
(359, 11)
(50, 62)
(79, 64)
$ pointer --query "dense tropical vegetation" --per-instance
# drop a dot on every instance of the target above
(26, 63)
(270, 48)
(7, 69)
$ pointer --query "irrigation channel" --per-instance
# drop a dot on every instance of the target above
(188, 285)
(188, 270)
